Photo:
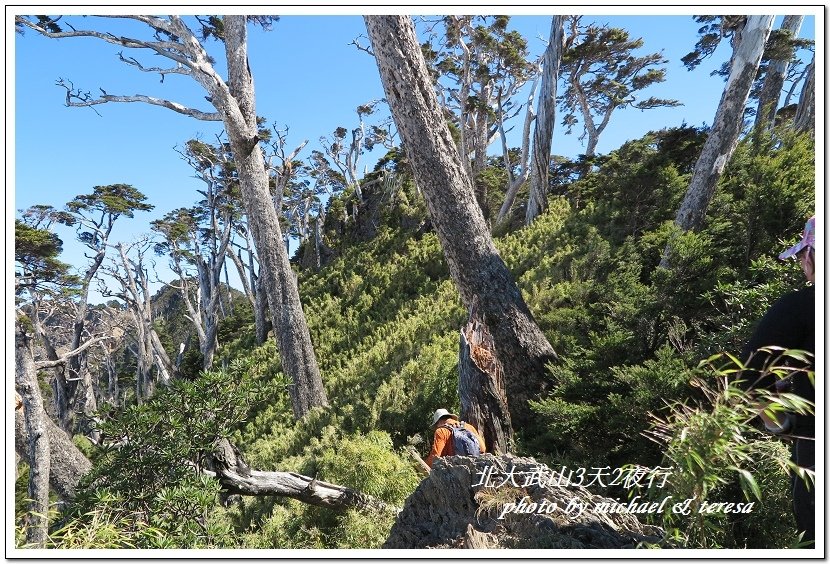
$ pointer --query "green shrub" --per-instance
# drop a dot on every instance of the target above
(717, 455)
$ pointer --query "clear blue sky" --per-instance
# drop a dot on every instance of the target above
(307, 77)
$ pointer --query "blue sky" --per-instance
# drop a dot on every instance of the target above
(307, 78)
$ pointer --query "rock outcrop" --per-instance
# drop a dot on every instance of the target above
(508, 502)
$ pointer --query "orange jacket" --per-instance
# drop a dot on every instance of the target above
(442, 441)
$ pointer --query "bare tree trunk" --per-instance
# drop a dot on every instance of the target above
(37, 445)
(545, 119)
(136, 293)
(254, 292)
(774, 80)
(163, 363)
(515, 183)
(294, 340)
(723, 137)
(58, 381)
(805, 115)
(475, 265)
(113, 390)
(226, 312)
(481, 387)
(67, 464)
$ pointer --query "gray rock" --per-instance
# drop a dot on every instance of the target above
(453, 508)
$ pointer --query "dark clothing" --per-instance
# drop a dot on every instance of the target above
(790, 323)
(804, 497)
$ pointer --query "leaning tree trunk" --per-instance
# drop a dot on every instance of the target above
(479, 273)
(37, 444)
(723, 137)
(545, 118)
(774, 80)
(805, 115)
(291, 328)
(481, 387)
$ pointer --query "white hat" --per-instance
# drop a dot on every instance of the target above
(440, 413)
(808, 239)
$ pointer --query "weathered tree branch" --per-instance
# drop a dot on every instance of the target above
(41, 364)
(77, 99)
(236, 478)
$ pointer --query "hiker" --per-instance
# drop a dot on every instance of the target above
(790, 323)
(444, 422)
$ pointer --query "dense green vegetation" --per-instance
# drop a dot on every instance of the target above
(384, 318)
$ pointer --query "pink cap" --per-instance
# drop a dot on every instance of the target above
(808, 239)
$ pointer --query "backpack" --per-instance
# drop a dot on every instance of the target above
(464, 441)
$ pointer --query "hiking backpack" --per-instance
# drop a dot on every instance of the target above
(464, 441)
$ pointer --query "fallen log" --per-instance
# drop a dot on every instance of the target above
(233, 473)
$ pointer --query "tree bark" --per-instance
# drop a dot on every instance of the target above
(294, 340)
(476, 268)
(723, 137)
(67, 464)
(805, 115)
(261, 323)
(545, 119)
(481, 387)
(774, 80)
(37, 444)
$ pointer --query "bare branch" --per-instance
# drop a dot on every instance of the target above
(132, 61)
(77, 99)
(364, 48)
(40, 365)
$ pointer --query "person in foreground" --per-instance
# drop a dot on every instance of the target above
(450, 435)
(790, 324)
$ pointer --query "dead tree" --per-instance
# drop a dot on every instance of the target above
(33, 424)
(234, 104)
(723, 136)
(229, 467)
(805, 115)
(543, 131)
(776, 73)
